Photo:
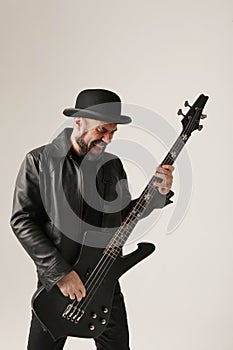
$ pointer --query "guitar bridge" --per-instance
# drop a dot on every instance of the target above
(71, 313)
(78, 316)
(67, 310)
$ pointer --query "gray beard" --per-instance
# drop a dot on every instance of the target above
(85, 150)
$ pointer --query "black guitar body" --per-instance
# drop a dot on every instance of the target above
(88, 318)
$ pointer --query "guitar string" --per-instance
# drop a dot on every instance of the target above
(117, 233)
(107, 260)
(106, 257)
(97, 278)
(103, 271)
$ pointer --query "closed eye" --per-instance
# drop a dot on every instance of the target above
(103, 130)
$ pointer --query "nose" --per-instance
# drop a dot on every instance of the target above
(107, 137)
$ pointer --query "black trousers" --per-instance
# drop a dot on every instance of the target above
(115, 336)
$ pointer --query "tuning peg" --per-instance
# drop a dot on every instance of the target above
(186, 104)
(203, 116)
(180, 112)
(200, 127)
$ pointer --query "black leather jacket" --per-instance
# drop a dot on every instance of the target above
(48, 202)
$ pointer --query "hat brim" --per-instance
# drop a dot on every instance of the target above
(85, 113)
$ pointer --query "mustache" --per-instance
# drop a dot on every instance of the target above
(84, 148)
(100, 143)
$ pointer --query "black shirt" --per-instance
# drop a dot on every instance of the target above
(91, 210)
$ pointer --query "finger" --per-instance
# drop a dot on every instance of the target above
(165, 182)
(79, 295)
(159, 177)
(161, 170)
(75, 296)
(163, 190)
(165, 177)
(72, 296)
(168, 167)
(162, 177)
(82, 289)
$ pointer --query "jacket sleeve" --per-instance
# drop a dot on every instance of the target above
(158, 201)
(28, 217)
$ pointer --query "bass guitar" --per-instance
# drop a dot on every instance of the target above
(99, 269)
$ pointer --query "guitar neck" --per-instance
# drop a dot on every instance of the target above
(190, 122)
(175, 149)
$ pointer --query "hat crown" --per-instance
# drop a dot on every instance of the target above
(92, 97)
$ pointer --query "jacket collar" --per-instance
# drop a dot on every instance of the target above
(60, 147)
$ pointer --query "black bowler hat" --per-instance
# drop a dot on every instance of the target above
(98, 104)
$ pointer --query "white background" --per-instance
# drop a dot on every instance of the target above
(155, 54)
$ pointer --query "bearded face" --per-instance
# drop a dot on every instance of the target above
(93, 137)
(92, 150)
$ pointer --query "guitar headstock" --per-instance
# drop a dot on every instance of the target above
(191, 120)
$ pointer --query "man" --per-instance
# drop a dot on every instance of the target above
(55, 202)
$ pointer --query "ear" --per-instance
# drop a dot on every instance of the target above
(77, 123)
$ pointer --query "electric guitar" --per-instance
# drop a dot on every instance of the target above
(98, 268)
